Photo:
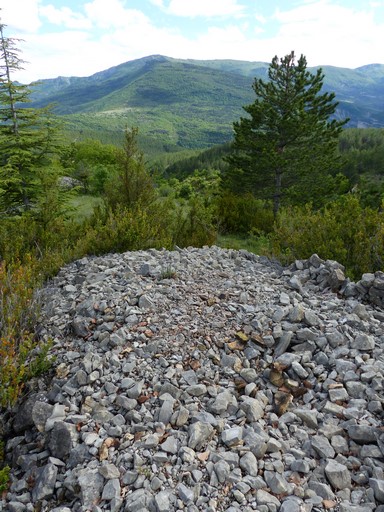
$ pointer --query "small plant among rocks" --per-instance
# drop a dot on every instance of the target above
(22, 356)
(168, 273)
(4, 472)
(4, 479)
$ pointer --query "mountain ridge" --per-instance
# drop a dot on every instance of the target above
(193, 103)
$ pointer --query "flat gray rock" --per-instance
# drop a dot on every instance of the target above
(338, 475)
(45, 483)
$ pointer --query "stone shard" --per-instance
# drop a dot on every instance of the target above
(45, 483)
(24, 415)
(199, 434)
(378, 488)
(363, 434)
(232, 436)
(338, 475)
(91, 484)
(62, 438)
(322, 447)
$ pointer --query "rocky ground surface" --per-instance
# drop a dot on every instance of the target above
(203, 380)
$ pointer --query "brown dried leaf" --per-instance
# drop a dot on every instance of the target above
(62, 371)
(103, 452)
(238, 366)
(108, 443)
(258, 339)
(329, 504)
(143, 398)
(236, 345)
(194, 364)
(240, 384)
(281, 402)
(226, 489)
(163, 437)
(276, 378)
(279, 367)
(203, 456)
(299, 392)
(126, 350)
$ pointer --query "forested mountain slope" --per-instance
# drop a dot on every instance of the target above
(192, 103)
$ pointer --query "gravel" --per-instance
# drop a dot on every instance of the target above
(235, 385)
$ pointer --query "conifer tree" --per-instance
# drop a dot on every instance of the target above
(26, 135)
(131, 185)
(287, 143)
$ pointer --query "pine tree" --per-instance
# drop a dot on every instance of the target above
(131, 185)
(287, 144)
(26, 135)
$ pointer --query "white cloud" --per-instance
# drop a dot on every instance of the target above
(260, 18)
(330, 34)
(21, 16)
(326, 33)
(204, 8)
(225, 42)
(64, 17)
(112, 14)
(157, 3)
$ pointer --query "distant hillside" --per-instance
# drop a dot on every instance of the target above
(191, 103)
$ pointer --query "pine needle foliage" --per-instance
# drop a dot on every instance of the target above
(26, 135)
(288, 140)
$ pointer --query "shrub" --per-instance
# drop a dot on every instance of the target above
(243, 214)
(21, 354)
(120, 230)
(194, 224)
(131, 183)
(343, 231)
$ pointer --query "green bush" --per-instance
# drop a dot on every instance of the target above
(342, 231)
(194, 224)
(121, 230)
(242, 214)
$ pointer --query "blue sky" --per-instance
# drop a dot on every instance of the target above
(81, 37)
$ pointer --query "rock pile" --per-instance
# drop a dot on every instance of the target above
(202, 380)
(330, 274)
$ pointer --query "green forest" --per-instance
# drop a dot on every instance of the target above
(293, 181)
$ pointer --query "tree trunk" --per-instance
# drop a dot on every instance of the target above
(277, 193)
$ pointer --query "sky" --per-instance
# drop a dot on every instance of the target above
(82, 37)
